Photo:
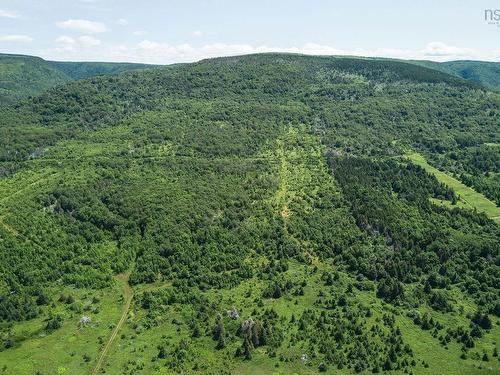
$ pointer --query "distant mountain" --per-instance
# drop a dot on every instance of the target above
(82, 70)
(23, 76)
(485, 73)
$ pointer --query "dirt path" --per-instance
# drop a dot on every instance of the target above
(8, 228)
(127, 295)
(43, 178)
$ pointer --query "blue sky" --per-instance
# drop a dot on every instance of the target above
(185, 30)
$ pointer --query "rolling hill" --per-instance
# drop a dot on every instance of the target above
(23, 76)
(484, 73)
(81, 70)
(254, 214)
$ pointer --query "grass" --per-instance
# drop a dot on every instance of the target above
(136, 348)
(468, 196)
(127, 296)
(62, 351)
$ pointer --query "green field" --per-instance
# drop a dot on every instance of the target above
(469, 198)
(71, 349)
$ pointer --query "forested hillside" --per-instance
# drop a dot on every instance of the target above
(485, 73)
(81, 70)
(23, 76)
(251, 215)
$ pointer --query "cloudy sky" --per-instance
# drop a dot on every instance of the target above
(156, 31)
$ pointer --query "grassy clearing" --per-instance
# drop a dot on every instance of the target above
(69, 349)
(136, 349)
(469, 197)
(127, 296)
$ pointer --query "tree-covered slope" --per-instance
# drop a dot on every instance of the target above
(23, 76)
(85, 69)
(261, 214)
(484, 73)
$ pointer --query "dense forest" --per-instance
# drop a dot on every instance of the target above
(486, 73)
(23, 76)
(262, 212)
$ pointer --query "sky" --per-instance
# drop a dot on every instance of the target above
(164, 32)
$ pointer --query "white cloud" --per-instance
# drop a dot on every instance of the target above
(441, 49)
(150, 51)
(159, 52)
(197, 33)
(75, 45)
(83, 26)
(140, 33)
(16, 38)
(122, 22)
(8, 14)
(88, 41)
(65, 40)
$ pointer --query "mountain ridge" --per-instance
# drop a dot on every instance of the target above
(22, 76)
(52, 73)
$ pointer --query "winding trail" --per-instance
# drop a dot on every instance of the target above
(128, 294)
